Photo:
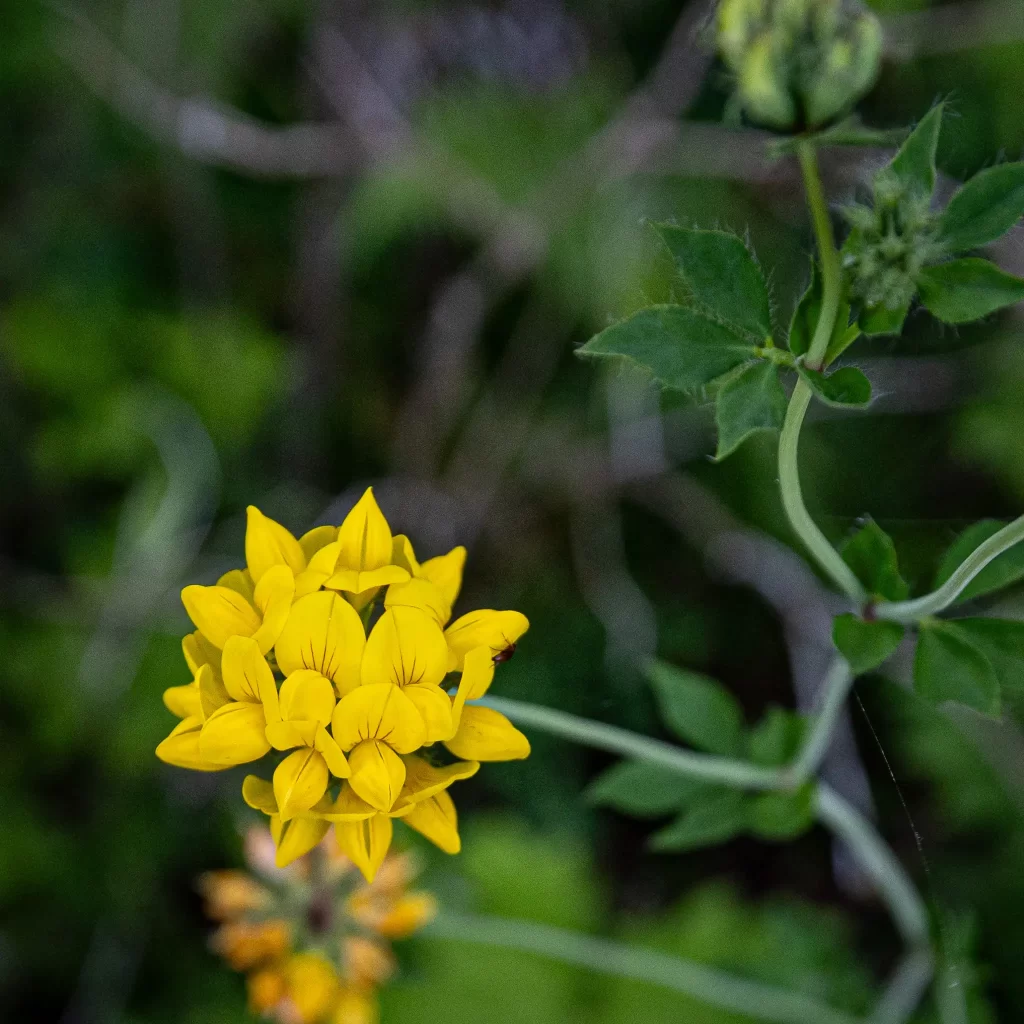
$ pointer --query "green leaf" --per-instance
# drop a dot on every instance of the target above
(697, 709)
(964, 290)
(680, 347)
(716, 818)
(752, 401)
(882, 320)
(1002, 642)
(871, 554)
(779, 817)
(865, 645)
(806, 314)
(851, 131)
(643, 790)
(949, 666)
(914, 164)
(985, 208)
(722, 276)
(776, 738)
(1001, 572)
(845, 387)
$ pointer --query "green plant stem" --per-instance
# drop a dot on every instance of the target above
(789, 441)
(905, 989)
(941, 598)
(878, 860)
(630, 744)
(835, 690)
(738, 995)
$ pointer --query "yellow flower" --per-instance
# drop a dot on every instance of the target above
(246, 944)
(230, 894)
(323, 632)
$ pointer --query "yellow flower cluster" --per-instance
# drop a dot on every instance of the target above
(313, 938)
(284, 658)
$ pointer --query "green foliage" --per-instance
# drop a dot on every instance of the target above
(844, 387)
(1003, 571)
(642, 790)
(750, 402)
(949, 666)
(775, 740)
(865, 645)
(871, 554)
(968, 289)
(914, 163)
(697, 709)
(781, 817)
(881, 320)
(722, 277)
(984, 209)
(805, 320)
(718, 815)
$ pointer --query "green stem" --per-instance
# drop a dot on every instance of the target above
(738, 995)
(905, 990)
(881, 864)
(835, 690)
(940, 599)
(630, 744)
(789, 442)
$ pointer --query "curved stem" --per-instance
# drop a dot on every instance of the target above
(835, 690)
(633, 745)
(905, 989)
(749, 998)
(940, 599)
(879, 861)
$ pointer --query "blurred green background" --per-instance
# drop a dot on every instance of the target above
(273, 252)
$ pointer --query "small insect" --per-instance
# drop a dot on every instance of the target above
(505, 654)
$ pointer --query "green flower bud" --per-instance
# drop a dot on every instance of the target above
(799, 63)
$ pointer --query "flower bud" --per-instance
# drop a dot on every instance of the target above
(799, 63)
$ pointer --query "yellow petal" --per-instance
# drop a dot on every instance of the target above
(220, 613)
(248, 677)
(402, 554)
(183, 701)
(328, 747)
(259, 794)
(306, 695)
(240, 581)
(420, 594)
(355, 1006)
(435, 709)
(378, 774)
(268, 543)
(445, 572)
(316, 540)
(320, 568)
(348, 807)
(477, 675)
(212, 693)
(234, 734)
(486, 735)
(367, 962)
(273, 597)
(484, 628)
(379, 711)
(300, 781)
(287, 735)
(323, 632)
(181, 748)
(405, 647)
(361, 581)
(437, 820)
(423, 780)
(312, 987)
(365, 536)
(199, 651)
(408, 915)
(366, 842)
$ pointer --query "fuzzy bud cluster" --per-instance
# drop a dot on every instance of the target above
(799, 63)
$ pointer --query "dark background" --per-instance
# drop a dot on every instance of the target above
(270, 252)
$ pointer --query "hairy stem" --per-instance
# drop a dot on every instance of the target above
(940, 599)
(738, 995)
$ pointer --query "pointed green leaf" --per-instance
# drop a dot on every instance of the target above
(964, 290)
(780, 817)
(914, 164)
(845, 387)
(643, 790)
(1002, 642)
(718, 817)
(850, 131)
(697, 709)
(722, 276)
(948, 665)
(806, 314)
(747, 403)
(1001, 572)
(680, 347)
(871, 554)
(776, 738)
(882, 320)
(985, 208)
(865, 645)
